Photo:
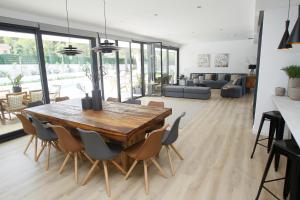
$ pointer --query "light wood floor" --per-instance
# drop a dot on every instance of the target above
(216, 145)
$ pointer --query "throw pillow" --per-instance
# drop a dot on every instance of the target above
(208, 77)
(196, 81)
(234, 76)
(236, 81)
(201, 79)
(221, 77)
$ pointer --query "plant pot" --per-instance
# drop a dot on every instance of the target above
(16, 89)
(294, 88)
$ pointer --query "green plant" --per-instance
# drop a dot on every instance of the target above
(14, 81)
(293, 71)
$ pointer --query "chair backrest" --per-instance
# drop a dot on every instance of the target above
(58, 99)
(112, 99)
(3, 93)
(173, 134)
(36, 95)
(16, 100)
(41, 132)
(133, 101)
(33, 104)
(66, 141)
(95, 145)
(152, 144)
(27, 125)
(156, 104)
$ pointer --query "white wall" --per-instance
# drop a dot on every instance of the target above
(273, 60)
(241, 54)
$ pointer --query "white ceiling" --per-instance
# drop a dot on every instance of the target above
(179, 21)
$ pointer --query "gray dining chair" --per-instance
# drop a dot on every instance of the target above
(48, 137)
(97, 149)
(133, 101)
(169, 138)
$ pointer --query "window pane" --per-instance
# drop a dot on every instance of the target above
(165, 78)
(136, 69)
(125, 71)
(18, 60)
(67, 75)
(109, 65)
(172, 66)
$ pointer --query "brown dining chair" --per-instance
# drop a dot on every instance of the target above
(112, 99)
(145, 151)
(156, 104)
(59, 99)
(71, 146)
(161, 123)
(30, 130)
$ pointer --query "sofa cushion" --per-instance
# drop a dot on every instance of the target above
(201, 78)
(221, 77)
(173, 88)
(234, 76)
(208, 77)
(197, 90)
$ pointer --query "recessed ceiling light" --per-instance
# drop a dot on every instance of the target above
(155, 14)
(221, 29)
(199, 6)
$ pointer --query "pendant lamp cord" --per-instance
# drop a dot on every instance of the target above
(104, 17)
(289, 10)
(68, 23)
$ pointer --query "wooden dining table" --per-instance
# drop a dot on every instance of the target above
(121, 122)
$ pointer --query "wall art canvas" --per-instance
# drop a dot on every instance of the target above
(203, 60)
(222, 60)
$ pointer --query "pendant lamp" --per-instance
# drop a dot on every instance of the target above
(106, 46)
(295, 35)
(284, 41)
(69, 50)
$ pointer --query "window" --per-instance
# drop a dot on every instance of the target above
(136, 69)
(67, 75)
(109, 65)
(125, 70)
(19, 76)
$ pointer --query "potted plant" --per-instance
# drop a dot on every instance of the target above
(293, 73)
(15, 82)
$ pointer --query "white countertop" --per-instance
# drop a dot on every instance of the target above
(290, 111)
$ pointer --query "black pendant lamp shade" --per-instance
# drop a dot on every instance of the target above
(284, 41)
(295, 35)
(69, 50)
(106, 46)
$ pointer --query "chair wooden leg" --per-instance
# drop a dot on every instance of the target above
(161, 171)
(146, 176)
(118, 167)
(130, 170)
(35, 146)
(48, 158)
(42, 149)
(170, 160)
(108, 192)
(90, 172)
(76, 166)
(29, 142)
(64, 163)
(176, 152)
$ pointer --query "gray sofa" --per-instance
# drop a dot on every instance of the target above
(191, 92)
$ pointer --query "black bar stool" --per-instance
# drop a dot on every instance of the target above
(289, 149)
(276, 124)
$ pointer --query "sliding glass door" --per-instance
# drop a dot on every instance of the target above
(172, 66)
(136, 69)
(110, 80)
(68, 76)
(153, 68)
(20, 81)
